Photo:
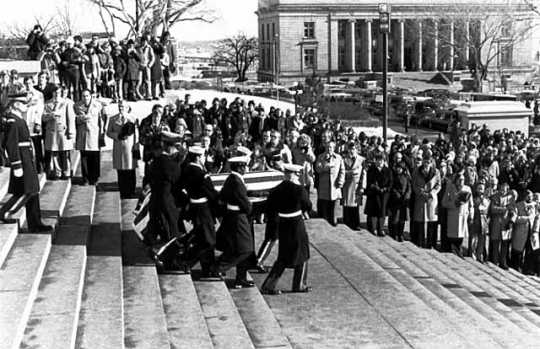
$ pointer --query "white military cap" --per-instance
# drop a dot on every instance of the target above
(196, 150)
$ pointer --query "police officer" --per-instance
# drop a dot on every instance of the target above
(23, 179)
(234, 236)
(288, 200)
(202, 199)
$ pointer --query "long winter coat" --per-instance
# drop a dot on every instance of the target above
(59, 120)
(89, 121)
(122, 154)
(523, 224)
(502, 211)
(458, 212)
(400, 194)
(425, 188)
(331, 170)
(480, 223)
(378, 186)
(354, 180)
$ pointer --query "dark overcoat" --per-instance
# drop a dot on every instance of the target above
(288, 198)
(378, 186)
(234, 234)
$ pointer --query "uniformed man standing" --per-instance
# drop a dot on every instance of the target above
(288, 200)
(234, 236)
(202, 199)
(90, 128)
(23, 179)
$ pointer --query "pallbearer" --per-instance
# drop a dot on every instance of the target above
(202, 198)
(234, 236)
(288, 200)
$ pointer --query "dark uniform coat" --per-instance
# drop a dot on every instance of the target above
(17, 143)
(287, 198)
(198, 185)
(234, 235)
(378, 186)
(164, 176)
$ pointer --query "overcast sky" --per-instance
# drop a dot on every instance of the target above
(234, 16)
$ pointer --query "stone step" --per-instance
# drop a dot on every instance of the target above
(416, 322)
(332, 314)
(225, 325)
(501, 292)
(8, 233)
(449, 277)
(101, 321)
(19, 280)
(525, 282)
(472, 317)
(17, 211)
(185, 321)
(55, 314)
(430, 292)
(145, 325)
(505, 281)
(258, 318)
(529, 279)
(4, 181)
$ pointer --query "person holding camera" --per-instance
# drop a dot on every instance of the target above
(122, 130)
(37, 41)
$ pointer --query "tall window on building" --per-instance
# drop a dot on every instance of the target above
(273, 30)
(309, 30)
(268, 38)
(263, 61)
(310, 58)
(262, 32)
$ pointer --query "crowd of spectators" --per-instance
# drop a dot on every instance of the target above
(126, 69)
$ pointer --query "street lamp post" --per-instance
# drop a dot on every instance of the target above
(384, 22)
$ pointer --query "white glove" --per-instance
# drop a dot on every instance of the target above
(18, 172)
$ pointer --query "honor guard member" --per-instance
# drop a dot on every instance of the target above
(234, 236)
(202, 199)
(288, 200)
(23, 179)
(164, 178)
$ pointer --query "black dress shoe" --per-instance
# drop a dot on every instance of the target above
(271, 292)
(42, 228)
(303, 290)
(243, 284)
(260, 269)
(211, 276)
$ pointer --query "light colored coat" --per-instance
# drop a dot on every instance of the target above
(425, 196)
(458, 216)
(501, 211)
(59, 120)
(331, 170)
(89, 121)
(354, 180)
(480, 224)
(35, 110)
(523, 224)
(122, 155)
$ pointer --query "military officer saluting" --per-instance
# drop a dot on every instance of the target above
(288, 200)
(18, 145)
(202, 198)
(234, 236)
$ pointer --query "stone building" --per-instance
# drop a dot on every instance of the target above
(342, 37)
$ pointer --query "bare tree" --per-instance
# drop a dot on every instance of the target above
(478, 33)
(20, 32)
(239, 51)
(149, 15)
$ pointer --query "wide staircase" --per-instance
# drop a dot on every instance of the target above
(91, 285)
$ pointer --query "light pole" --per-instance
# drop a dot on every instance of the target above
(276, 64)
(384, 23)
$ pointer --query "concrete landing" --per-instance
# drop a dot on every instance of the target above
(8, 233)
(333, 315)
(19, 280)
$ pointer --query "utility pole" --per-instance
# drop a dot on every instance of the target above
(384, 19)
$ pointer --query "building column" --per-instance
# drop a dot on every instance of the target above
(367, 47)
(401, 57)
(350, 51)
(452, 49)
(420, 47)
(435, 45)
